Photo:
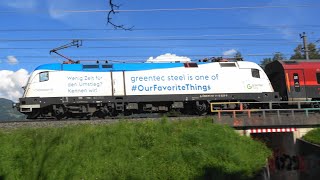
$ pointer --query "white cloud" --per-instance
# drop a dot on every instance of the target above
(53, 10)
(20, 4)
(12, 82)
(56, 8)
(12, 60)
(169, 58)
(230, 52)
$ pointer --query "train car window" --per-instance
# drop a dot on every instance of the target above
(90, 66)
(43, 76)
(318, 78)
(227, 64)
(296, 82)
(255, 73)
(107, 66)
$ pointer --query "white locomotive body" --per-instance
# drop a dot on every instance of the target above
(61, 90)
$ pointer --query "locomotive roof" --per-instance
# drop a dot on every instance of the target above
(136, 66)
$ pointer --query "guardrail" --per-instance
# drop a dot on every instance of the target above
(267, 114)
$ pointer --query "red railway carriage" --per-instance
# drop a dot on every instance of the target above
(295, 80)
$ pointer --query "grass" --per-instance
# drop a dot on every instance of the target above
(130, 150)
(313, 136)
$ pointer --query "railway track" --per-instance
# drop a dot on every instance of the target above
(39, 123)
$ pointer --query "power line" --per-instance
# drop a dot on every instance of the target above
(161, 28)
(150, 47)
(173, 9)
(203, 38)
(191, 9)
(142, 56)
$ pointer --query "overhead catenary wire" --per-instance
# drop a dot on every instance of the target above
(155, 47)
(173, 9)
(158, 28)
(140, 39)
(142, 56)
(190, 9)
(164, 46)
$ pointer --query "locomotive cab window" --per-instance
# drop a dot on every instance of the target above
(255, 73)
(44, 76)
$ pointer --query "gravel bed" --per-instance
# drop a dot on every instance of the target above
(50, 123)
(63, 123)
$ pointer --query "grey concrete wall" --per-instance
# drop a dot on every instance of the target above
(309, 155)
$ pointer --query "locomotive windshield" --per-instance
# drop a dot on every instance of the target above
(255, 73)
(44, 76)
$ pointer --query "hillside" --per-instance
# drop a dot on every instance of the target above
(7, 112)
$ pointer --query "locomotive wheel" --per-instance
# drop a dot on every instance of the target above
(34, 114)
(100, 114)
(59, 113)
(201, 108)
(88, 116)
(58, 116)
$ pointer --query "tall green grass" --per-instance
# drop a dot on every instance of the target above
(130, 150)
(313, 136)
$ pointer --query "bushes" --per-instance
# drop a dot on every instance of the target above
(313, 136)
(130, 150)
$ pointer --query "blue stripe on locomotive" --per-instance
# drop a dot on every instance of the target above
(114, 67)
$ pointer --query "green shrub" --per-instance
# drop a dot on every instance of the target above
(313, 136)
(130, 150)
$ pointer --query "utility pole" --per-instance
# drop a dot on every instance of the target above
(303, 36)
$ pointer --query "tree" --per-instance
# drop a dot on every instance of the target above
(265, 61)
(298, 54)
(314, 53)
(276, 57)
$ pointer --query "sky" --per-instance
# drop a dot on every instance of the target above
(161, 29)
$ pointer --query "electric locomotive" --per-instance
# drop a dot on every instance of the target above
(84, 90)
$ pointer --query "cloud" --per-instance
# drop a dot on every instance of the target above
(56, 8)
(53, 9)
(20, 4)
(230, 52)
(12, 83)
(12, 60)
(169, 58)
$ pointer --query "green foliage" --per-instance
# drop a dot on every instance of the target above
(314, 53)
(313, 136)
(130, 150)
(7, 112)
(277, 56)
(265, 61)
